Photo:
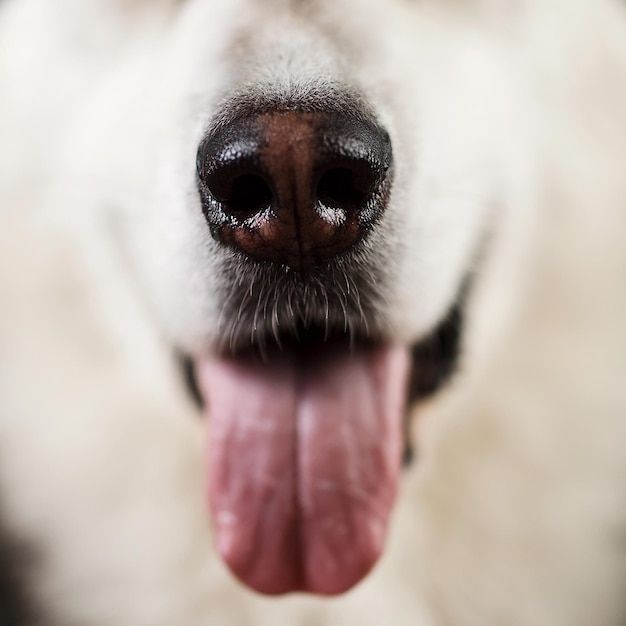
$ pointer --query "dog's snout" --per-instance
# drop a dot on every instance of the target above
(293, 187)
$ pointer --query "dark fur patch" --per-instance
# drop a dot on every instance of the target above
(436, 357)
(189, 379)
(16, 607)
(435, 361)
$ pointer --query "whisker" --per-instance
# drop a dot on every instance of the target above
(267, 305)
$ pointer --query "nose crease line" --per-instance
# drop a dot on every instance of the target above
(294, 166)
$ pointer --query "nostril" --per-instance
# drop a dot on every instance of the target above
(250, 194)
(241, 195)
(345, 188)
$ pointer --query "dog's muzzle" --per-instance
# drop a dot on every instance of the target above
(306, 395)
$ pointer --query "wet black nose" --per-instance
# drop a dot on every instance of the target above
(292, 187)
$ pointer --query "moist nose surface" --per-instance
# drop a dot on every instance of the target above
(294, 188)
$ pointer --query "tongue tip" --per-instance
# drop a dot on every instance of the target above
(271, 587)
(264, 577)
(340, 584)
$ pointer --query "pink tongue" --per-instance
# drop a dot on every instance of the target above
(304, 463)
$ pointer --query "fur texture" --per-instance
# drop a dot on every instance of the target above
(507, 121)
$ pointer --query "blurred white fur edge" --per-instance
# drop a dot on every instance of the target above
(515, 513)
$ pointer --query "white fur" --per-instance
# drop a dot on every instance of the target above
(506, 118)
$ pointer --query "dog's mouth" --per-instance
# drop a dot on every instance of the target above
(304, 457)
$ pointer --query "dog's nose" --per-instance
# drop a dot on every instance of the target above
(292, 187)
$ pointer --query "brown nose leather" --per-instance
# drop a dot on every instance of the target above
(292, 187)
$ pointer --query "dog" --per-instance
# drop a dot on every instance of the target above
(257, 256)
